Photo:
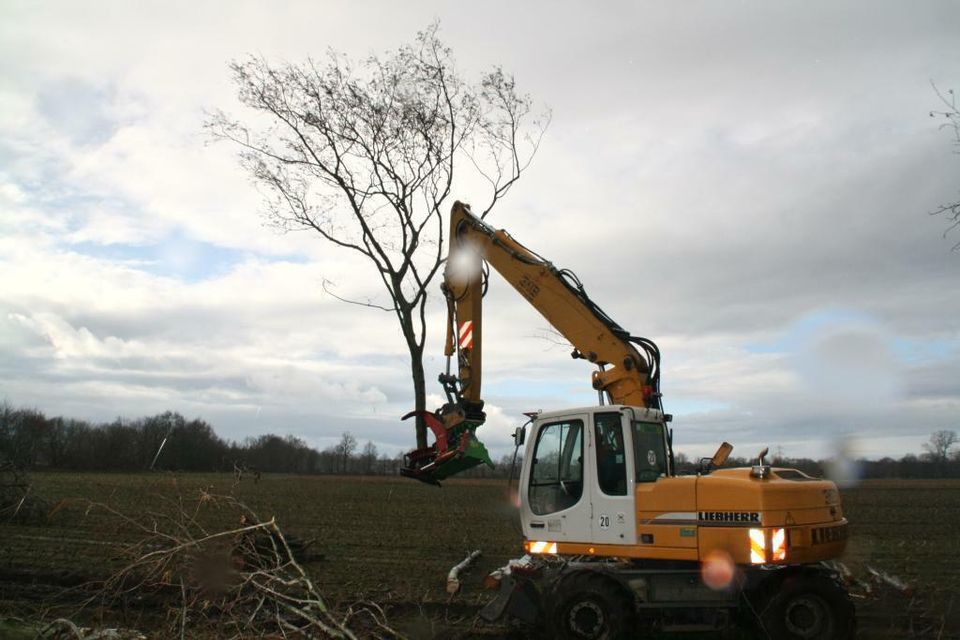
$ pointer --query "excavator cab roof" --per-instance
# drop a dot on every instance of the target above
(643, 414)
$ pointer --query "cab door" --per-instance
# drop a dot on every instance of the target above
(611, 471)
(555, 495)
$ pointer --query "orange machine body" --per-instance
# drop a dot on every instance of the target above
(691, 517)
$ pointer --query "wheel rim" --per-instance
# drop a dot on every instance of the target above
(586, 619)
(807, 616)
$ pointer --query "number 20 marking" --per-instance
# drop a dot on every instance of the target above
(604, 522)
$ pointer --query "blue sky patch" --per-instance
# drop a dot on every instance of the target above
(798, 334)
(79, 109)
(174, 256)
(919, 351)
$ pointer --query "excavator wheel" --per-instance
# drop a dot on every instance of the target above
(808, 607)
(590, 606)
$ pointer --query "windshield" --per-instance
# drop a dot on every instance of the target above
(556, 479)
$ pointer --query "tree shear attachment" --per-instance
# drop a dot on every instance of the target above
(455, 449)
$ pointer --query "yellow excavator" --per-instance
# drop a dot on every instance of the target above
(615, 540)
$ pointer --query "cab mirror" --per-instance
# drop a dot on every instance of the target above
(723, 452)
(519, 435)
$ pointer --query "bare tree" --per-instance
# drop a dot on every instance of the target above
(951, 116)
(368, 457)
(344, 449)
(938, 447)
(365, 155)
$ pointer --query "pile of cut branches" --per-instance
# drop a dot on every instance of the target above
(244, 581)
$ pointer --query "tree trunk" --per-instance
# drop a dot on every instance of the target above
(419, 393)
(416, 369)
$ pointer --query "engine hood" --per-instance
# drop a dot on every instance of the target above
(785, 497)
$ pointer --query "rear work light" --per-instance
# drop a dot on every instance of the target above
(768, 545)
(778, 545)
(758, 547)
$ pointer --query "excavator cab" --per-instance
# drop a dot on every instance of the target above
(455, 448)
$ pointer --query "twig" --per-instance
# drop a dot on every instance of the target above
(60, 622)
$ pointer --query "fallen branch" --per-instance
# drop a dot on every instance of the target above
(242, 582)
(453, 578)
(63, 629)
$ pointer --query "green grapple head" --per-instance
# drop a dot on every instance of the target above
(456, 449)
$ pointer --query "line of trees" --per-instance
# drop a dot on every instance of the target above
(31, 440)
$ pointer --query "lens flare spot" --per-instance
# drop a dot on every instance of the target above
(718, 569)
(463, 265)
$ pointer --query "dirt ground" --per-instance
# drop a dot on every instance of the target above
(392, 541)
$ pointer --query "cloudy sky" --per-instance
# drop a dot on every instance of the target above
(746, 183)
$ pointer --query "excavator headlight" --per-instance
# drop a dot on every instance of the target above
(540, 546)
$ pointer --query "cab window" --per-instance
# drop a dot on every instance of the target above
(556, 477)
(611, 457)
(650, 451)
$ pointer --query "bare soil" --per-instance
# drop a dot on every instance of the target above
(392, 541)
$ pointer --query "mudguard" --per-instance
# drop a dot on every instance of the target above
(518, 598)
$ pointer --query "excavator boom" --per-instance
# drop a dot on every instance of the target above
(627, 366)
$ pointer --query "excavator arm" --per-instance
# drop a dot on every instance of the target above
(627, 366)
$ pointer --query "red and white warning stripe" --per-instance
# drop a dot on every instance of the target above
(466, 334)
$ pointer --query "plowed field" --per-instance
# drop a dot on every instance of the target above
(393, 541)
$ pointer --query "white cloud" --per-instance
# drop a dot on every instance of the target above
(713, 182)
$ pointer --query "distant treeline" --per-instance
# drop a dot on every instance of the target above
(31, 440)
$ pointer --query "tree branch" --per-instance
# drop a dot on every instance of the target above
(369, 304)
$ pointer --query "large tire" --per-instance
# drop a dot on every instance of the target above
(590, 606)
(809, 607)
